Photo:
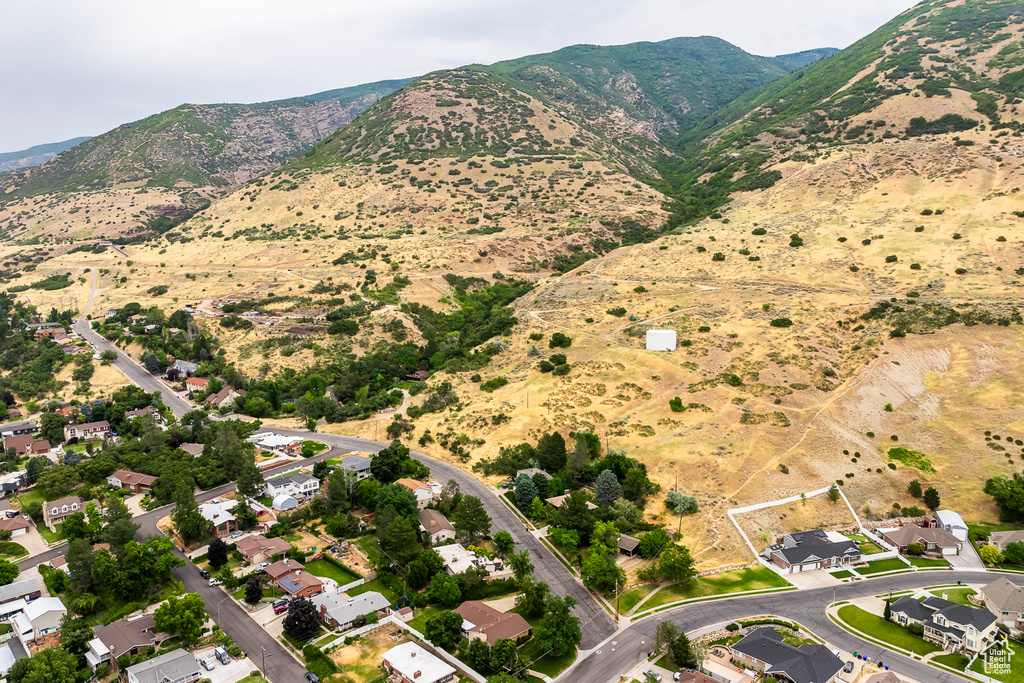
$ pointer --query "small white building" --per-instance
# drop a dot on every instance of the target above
(661, 340)
(283, 502)
(413, 664)
(953, 523)
(39, 617)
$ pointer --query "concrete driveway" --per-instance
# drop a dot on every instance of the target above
(236, 670)
(32, 541)
(967, 559)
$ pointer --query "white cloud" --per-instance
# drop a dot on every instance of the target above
(74, 68)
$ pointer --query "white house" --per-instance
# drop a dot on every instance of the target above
(358, 465)
(176, 666)
(338, 611)
(412, 664)
(424, 494)
(661, 340)
(39, 617)
(277, 443)
(437, 526)
(219, 515)
(296, 485)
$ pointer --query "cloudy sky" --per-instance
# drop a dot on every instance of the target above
(80, 68)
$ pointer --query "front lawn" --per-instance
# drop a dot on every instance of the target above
(735, 581)
(954, 660)
(12, 549)
(957, 595)
(892, 564)
(885, 631)
(842, 574)
(547, 665)
(315, 446)
(631, 598)
(1001, 672)
(928, 562)
(51, 536)
(328, 570)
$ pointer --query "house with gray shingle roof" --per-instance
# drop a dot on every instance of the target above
(176, 666)
(764, 650)
(1005, 600)
(955, 627)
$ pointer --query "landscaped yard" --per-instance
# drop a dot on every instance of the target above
(928, 562)
(1012, 673)
(735, 581)
(892, 564)
(957, 595)
(842, 574)
(954, 660)
(328, 570)
(51, 536)
(548, 665)
(12, 549)
(867, 546)
(885, 631)
(419, 621)
(631, 597)
(377, 586)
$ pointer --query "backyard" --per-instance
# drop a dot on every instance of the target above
(734, 581)
(326, 569)
(867, 546)
(885, 631)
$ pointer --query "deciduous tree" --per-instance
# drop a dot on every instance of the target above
(558, 631)
(302, 621)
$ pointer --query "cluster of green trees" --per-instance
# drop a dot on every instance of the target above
(188, 342)
(28, 365)
(1008, 494)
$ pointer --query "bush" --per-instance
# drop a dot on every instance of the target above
(915, 266)
(618, 312)
(545, 366)
(719, 256)
(733, 627)
(733, 380)
(781, 322)
(561, 370)
(559, 340)
(891, 258)
(795, 240)
(495, 383)
(557, 359)
(758, 231)
(676, 404)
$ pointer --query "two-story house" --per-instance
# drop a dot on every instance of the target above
(297, 485)
(137, 483)
(89, 430)
(424, 494)
(176, 666)
(436, 526)
(127, 636)
(358, 465)
(55, 512)
(291, 577)
(955, 627)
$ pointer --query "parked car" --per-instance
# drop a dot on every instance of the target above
(261, 567)
(12, 513)
(222, 655)
(651, 673)
(237, 534)
(214, 582)
(677, 675)
(848, 667)
(279, 609)
(207, 663)
(203, 573)
(310, 676)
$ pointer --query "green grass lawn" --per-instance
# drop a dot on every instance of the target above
(877, 566)
(547, 665)
(268, 592)
(953, 660)
(325, 569)
(51, 536)
(735, 581)
(419, 621)
(631, 597)
(885, 631)
(326, 639)
(376, 585)
(870, 548)
(315, 445)
(12, 549)
(957, 595)
(368, 544)
(233, 564)
(842, 574)
(928, 562)
(1016, 665)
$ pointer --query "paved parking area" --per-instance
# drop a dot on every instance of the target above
(225, 673)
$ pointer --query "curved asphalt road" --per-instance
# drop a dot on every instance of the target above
(613, 653)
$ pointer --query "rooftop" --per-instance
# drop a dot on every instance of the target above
(415, 663)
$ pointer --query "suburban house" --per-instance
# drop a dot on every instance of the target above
(277, 443)
(18, 526)
(808, 550)
(456, 559)
(292, 578)
(55, 512)
(41, 616)
(628, 545)
(219, 515)
(948, 521)
(111, 313)
(694, 677)
(196, 383)
(138, 483)
(410, 663)
(358, 465)
(43, 333)
(338, 611)
(436, 526)
(26, 444)
(935, 541)
(143, 412)
(122, 637)
(418, 376)
(1005, 599)
(193, 449)
(954, 627)
(258, 548)
(16, 428)
(176, 666)
(763, 650)
(225, 398)
(481, 621)
(89, 430)
(1001, 539)
(184, 368)
(20, 590)
(296, 485)
(424, 494)
(557, 501)
(12, 481)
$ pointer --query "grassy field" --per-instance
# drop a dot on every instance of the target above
(957, 595)
(878, 566)
(325, 569)
(735, 581)
(888, 632)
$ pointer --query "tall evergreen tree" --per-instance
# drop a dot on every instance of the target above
(607, 490)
